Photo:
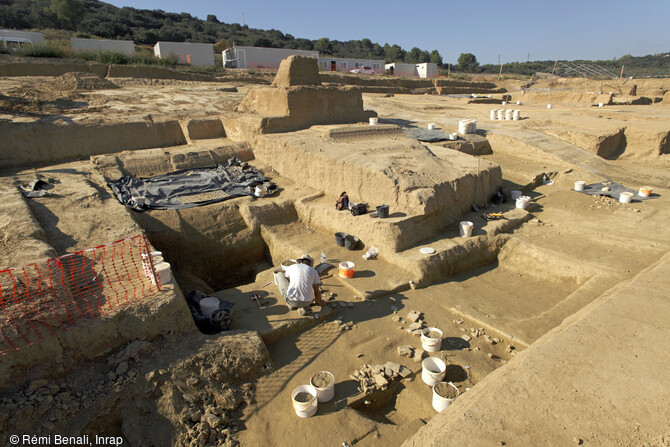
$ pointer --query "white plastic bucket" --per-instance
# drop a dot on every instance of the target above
(548, 106)
(260, 191)
(324, 394)
(466, 228)
(579, 185)
(504, 103)
(374, 121)
(453, 136)
(515, 194)
(440, 403)
(517, 115)
(433, 370)
(645, 191)
(522, 202)
(626, 197)
(305, 409)
(431, 126)
(209, 305)
(601, 104)
(163, 272)
(493, 114)
(508, 114)
(518, 103)
(431, 344)
(501, 114)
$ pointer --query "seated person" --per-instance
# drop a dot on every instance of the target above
(342, 202)
(299, 285)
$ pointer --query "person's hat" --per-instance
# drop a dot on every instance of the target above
(307, 257)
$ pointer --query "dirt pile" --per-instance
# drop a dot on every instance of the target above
(65, 86)
(62, 93)
(166, 392)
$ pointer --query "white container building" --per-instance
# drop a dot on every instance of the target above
(347, 64)
(201, 54)
(116, 46)
(424, 70)
(16, 39)
(259, 57)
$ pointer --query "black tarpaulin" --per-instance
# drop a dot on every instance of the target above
(190, 187)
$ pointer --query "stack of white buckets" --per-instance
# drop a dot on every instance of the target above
(162, 268)
(467, 126)
(433, 368)
(508, 115)
(521, 201)
(308, 409)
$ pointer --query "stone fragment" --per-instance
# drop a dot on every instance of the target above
(380, 380)
(396, 318)
(393, 367)
(577, 441)
(414, 316)
(414, 326)
(35, 385)
(404, 371)
(405, 351)
(418, 355)
(466, 337)
(122, 368)
(192, 381)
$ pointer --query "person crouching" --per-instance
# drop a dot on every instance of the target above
(299, 285)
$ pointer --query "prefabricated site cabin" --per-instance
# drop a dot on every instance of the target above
(201, 54)
(116, 46)
(348, 64)
(424, 70)
(16, 39)
(259, 57)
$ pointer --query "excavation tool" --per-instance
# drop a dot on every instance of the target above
(258, 299)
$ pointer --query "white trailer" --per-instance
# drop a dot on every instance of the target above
(259, 57)
(201, 54)
(424, 70)
(116, 46)
(16, 39)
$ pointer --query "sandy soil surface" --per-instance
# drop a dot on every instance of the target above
(573, 249)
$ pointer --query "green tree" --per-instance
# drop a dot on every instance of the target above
(68, 12)
(324, 46)
(414, 55)
(435, 57)
(467, 62)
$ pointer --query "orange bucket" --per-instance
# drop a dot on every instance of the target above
(346, 269)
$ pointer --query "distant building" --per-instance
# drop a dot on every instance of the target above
(117, 46)
(16, 39)
(198, 54)
(424, 70)
(347, 64)
(258, 57)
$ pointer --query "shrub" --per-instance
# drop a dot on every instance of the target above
(42, 50)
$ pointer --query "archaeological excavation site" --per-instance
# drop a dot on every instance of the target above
(497, 275)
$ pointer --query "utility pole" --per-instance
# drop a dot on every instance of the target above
(498, 58)
(528, 58)
(242, 18)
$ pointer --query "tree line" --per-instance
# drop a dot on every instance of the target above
(92, 18)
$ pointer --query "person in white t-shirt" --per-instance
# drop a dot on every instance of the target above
(299, 285)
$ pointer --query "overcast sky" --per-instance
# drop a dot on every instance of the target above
(511, 30)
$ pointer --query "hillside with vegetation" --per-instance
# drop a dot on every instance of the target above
(92, 18)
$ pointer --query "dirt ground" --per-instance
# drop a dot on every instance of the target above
(518, 281)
